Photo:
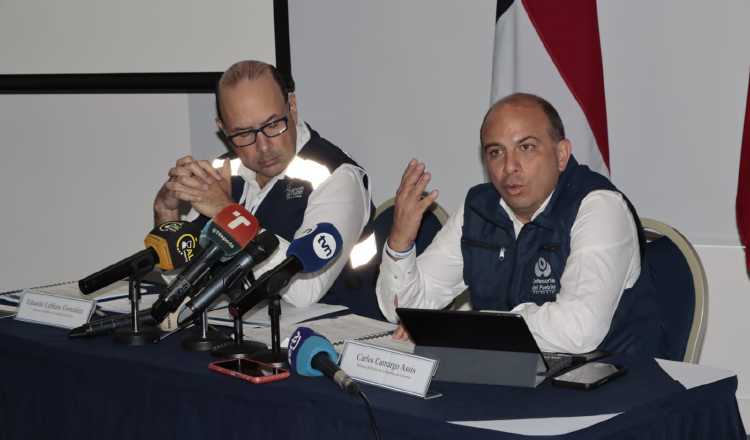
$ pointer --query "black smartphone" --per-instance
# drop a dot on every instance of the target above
(251, 371)
(588, 376)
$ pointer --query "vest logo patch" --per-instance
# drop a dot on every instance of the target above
(543, 284)
(294, 192)
(542, 268)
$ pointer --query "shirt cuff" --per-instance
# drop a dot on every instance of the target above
(399, 255)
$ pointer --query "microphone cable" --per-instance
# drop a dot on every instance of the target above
(373, 424)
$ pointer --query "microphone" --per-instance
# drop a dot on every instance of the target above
(110, 324)
(311, 354)
(170, 245)
(258, 250)
(226, 234)
(310, 252)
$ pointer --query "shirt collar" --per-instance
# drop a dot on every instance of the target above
(518, 224)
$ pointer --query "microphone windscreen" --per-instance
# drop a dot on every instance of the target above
(262, 246)
(304, 344)
(176, 243)
(231, 230)
(316, 247)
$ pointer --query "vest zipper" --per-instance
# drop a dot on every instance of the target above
(514, 292)
(483, 245)
(480, 244)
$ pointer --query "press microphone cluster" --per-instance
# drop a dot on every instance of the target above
(171, 245)
(260, 248)
(311, 354)
(224, 236)
(310, 252)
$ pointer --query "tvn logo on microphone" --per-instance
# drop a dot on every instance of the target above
(324, 245)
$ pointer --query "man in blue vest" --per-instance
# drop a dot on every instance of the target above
(547, 238)
(289, 177)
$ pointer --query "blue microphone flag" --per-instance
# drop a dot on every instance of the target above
(304, 344)
(316, 247)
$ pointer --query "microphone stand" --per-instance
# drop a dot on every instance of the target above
(205, 339)
(137, 334)
(238, 347)
(276, 356)
(202, 337)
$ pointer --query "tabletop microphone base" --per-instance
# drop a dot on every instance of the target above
(276, 359)
(144, 336)
(244, 349)
(137, 334)
(203, 337)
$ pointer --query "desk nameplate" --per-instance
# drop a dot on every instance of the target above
(54, 310)
(383, 367)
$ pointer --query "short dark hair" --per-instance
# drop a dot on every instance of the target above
(249, 70)
(556, 128)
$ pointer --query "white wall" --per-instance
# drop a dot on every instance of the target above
(80, 172)
(204, 139)
(390, 80)
(676, 93)
(77, 179)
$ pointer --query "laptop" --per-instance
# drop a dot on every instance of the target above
(482, 347)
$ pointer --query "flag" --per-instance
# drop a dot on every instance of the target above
(552, 49)
(743, 185)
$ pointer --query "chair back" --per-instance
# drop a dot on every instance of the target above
(432, 221)
(681, 290)
(355, 288)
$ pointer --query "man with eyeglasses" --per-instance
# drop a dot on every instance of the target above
(290, 177)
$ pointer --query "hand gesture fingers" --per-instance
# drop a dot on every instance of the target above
(410, 204)
(184, 161)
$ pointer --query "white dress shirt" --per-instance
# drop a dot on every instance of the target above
(604, 260)
(339, 198)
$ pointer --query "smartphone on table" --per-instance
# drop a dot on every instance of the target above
(249, 370)
(589, 375)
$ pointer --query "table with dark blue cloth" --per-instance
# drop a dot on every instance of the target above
(55, 387)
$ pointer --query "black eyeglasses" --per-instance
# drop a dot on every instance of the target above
(248, 137)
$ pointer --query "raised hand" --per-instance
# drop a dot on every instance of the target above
(411, 203)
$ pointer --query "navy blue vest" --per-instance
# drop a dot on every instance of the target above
(283, 209)
(503, 271)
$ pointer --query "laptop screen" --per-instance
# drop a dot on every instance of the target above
(468, 329)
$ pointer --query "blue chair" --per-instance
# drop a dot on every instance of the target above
(680, 281)
(356, 289)
(432, 221)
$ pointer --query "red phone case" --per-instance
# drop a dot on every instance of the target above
(216, 366)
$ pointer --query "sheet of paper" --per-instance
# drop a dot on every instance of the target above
(388, 342)
(258, 315)
(339, 329)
